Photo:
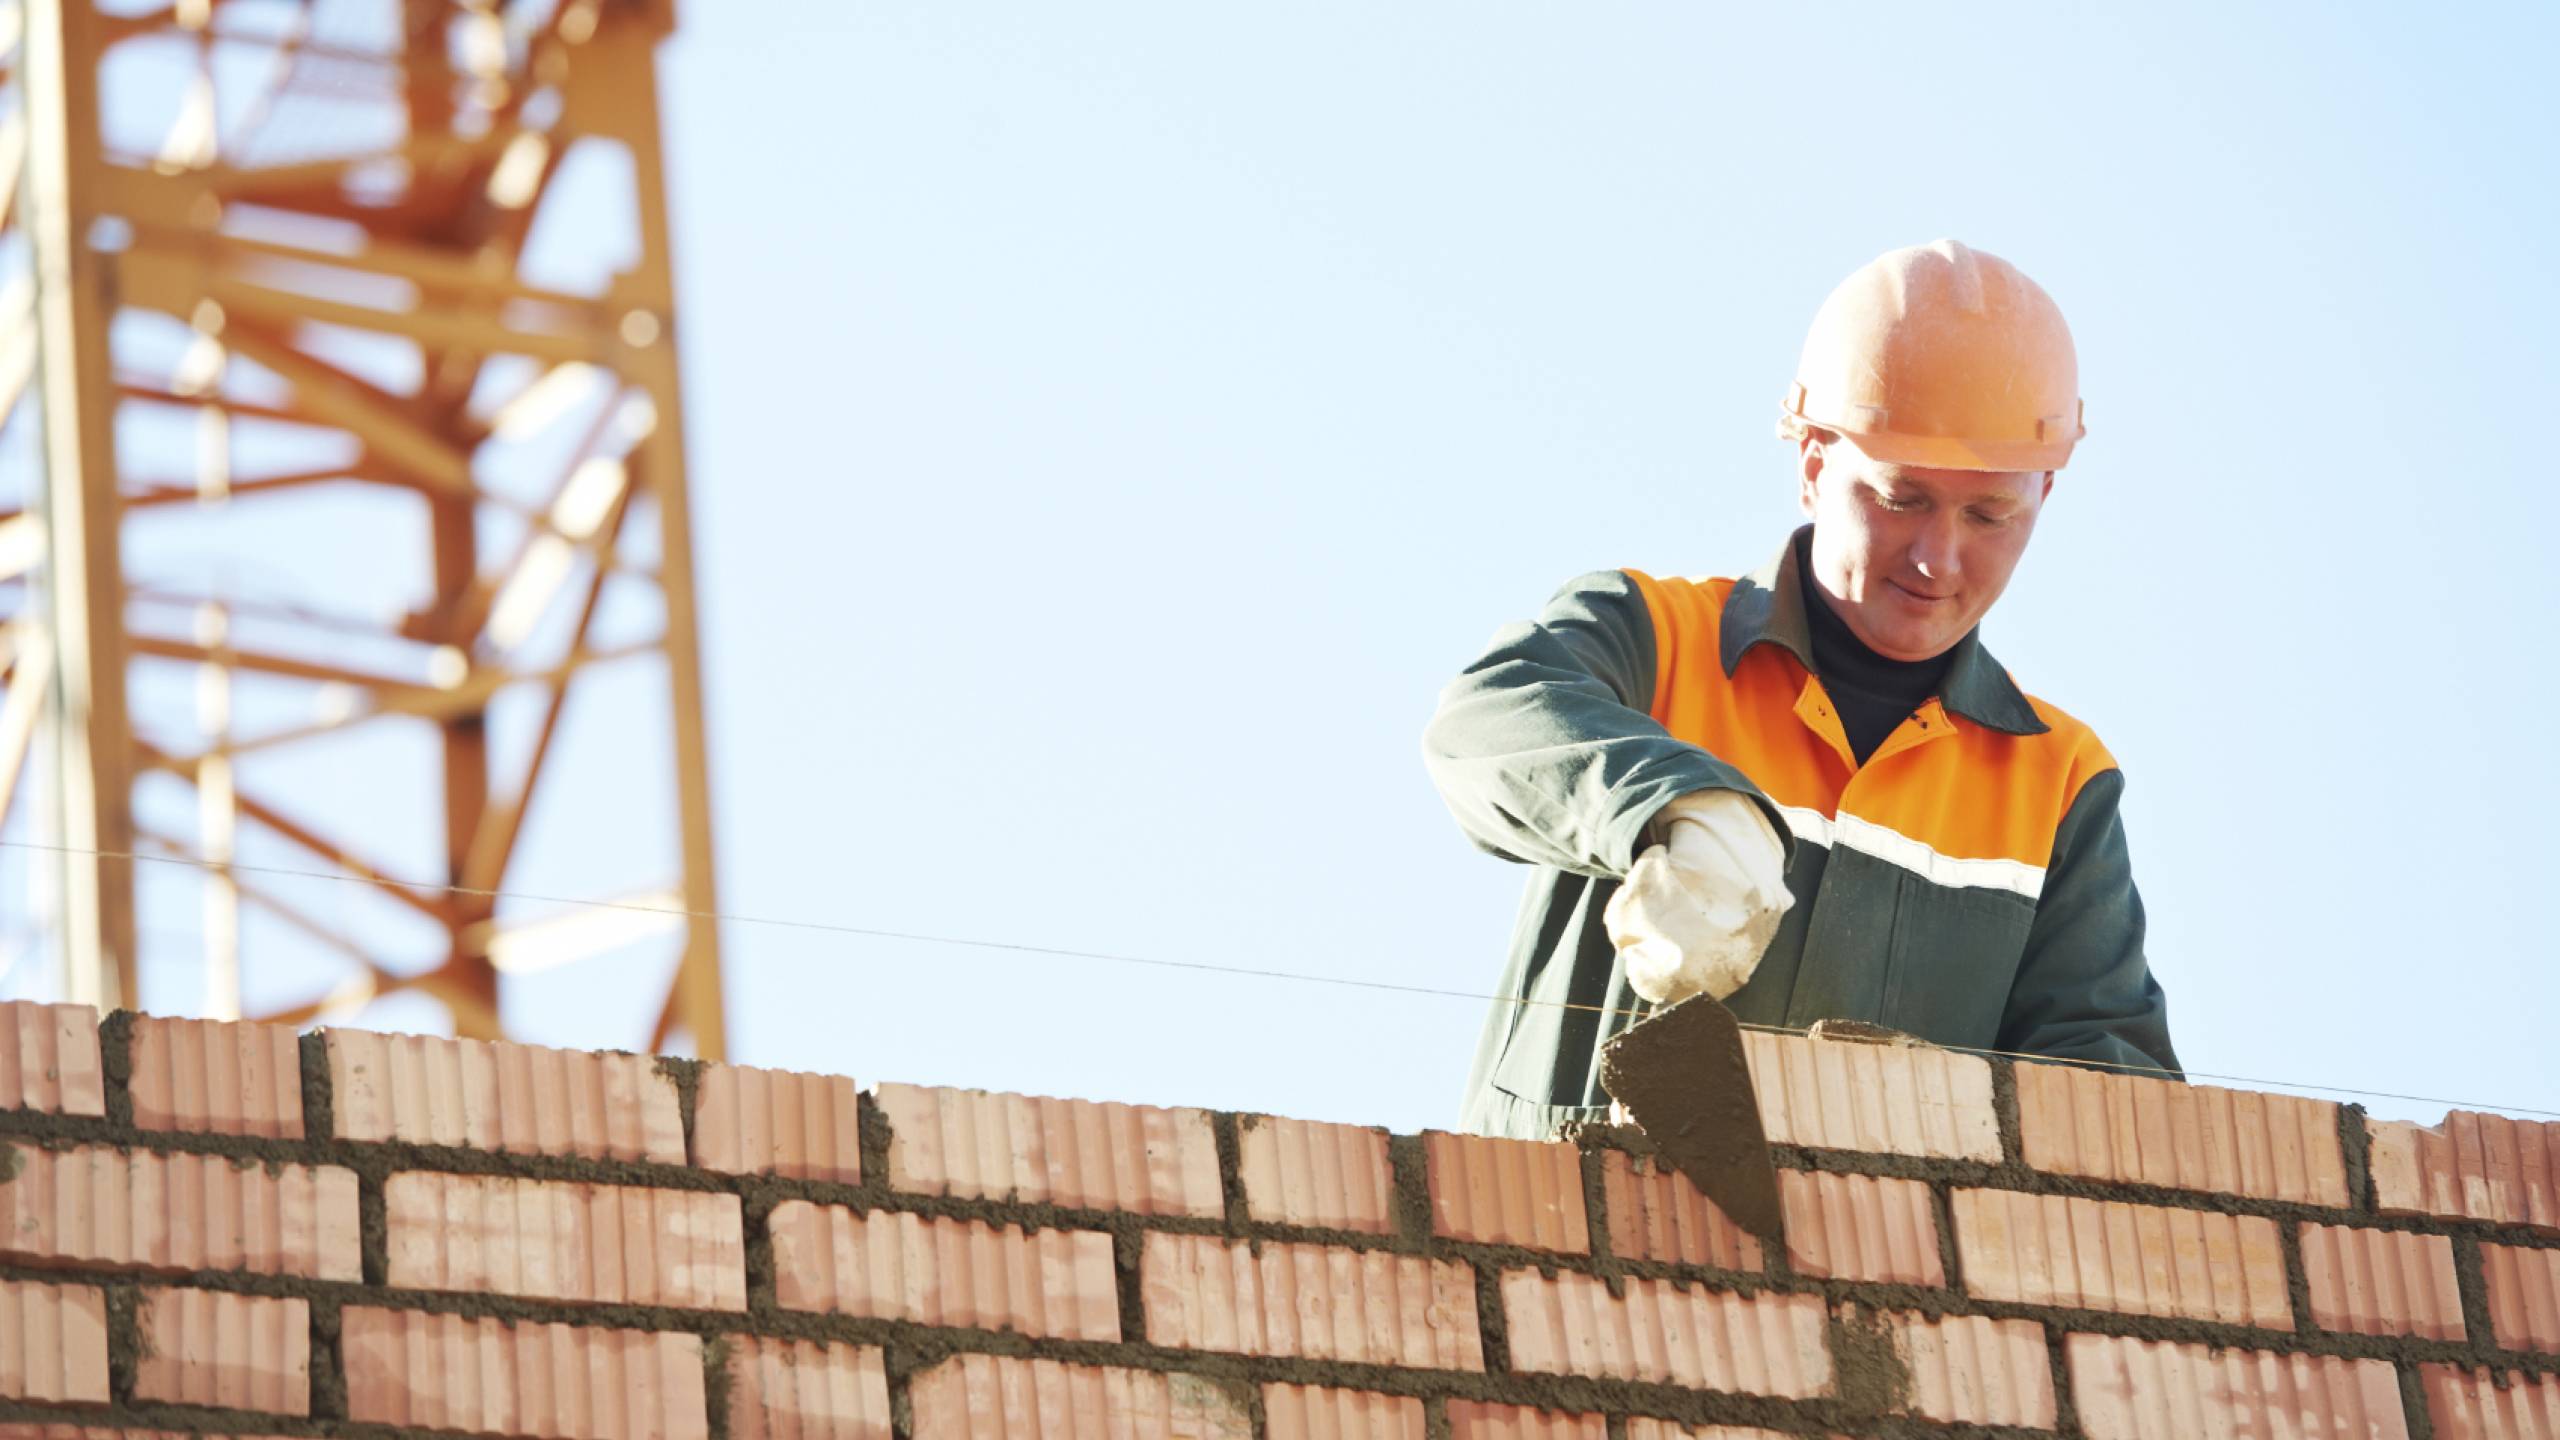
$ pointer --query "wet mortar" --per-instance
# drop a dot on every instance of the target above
(686, 1075)
(1869, 1374)
(1681, 1074)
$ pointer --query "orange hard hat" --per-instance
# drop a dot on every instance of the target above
(1945, 357)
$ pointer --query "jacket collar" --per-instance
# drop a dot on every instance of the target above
(1767, 607)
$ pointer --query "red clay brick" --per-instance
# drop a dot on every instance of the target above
(1967, 1369)
(241, 1352)
(219, 1077)
(1569, 1324)
(1508, 1192)
(777, 1122)
(1077, 1153)
(936, 1271)
(1300, 1172)
(987, 1397)
(1886, 1099)
(2471, 1167)
(802, 1390)
(2381, 1282)
(563, 1240)
(1656, 1214)
(1318, 1412)
(1643, 1428)
(49, 1059)
(1861, 1227)
(1478, 1420)
(1317, 1301)
(2108, 1255)
(2129, 1389)
(492, 1095)
(2524, 1296)
(2482, 1405)
(109, 1209)
(551, 1381)
(2075, 1121)
(53, 1343)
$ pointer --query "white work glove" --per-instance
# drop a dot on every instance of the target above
(1697, 909)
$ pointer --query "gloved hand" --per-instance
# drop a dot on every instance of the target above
(1698, 909)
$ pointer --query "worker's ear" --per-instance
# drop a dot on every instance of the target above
(1809, 460)
(2048, 490)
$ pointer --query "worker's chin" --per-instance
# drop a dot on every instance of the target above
(1914, 638)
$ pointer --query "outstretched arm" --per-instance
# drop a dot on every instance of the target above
(1543, 747)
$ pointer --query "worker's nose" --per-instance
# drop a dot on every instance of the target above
(1934, 549)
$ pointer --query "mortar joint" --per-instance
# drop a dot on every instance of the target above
(1223, 1130)
(1409, 1176)
(115, 1061)
(319, 1095)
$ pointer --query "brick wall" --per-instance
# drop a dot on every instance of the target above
(233, 1229)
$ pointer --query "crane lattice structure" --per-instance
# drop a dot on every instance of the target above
(340, 445)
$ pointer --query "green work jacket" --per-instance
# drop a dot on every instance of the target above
(1968, 884)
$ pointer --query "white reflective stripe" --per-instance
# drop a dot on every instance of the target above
(1895, 848)
(1810, 825)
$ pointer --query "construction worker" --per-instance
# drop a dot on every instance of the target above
(1810, 791)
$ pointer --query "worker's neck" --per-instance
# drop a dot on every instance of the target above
(1874, 692)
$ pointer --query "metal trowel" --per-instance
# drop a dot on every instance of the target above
(1683, 1077)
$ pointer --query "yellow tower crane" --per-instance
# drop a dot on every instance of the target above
(340, 445)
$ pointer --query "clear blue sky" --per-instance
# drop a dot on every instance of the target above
(1111, 424)
(1114, 422)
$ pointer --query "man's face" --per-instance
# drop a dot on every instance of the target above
(1912, 558)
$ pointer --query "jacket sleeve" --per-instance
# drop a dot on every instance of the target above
(1543, 746)
(2084, 990)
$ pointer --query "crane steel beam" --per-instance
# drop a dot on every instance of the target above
(355, 414)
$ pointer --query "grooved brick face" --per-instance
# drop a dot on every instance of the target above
(560, 1240)
(1477, 1420)
(1656, 1214)
(109, 1209)
(1888, 1099)
(1962, 1369)
(1644, 1428)
(217, 1077)
(2381, 1282)
(53, 1343)
(2524, 1296)
(777, 1122)
(1861, 1227)
(549, 1381)
(49, 1059)
(1076, 1153)
(2129, 1389)
(2109, 1255)
(1507, 1192)
(2075, 1121)
(933, 1271)
(1570, 1324)
(492, 1095)
(1300, 1172)
(240, 1352)
(1321, 1302)
(2471, 1167)
(986, 1397)
(1318, 1412)
(803, 1390)
(2489, 1405)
